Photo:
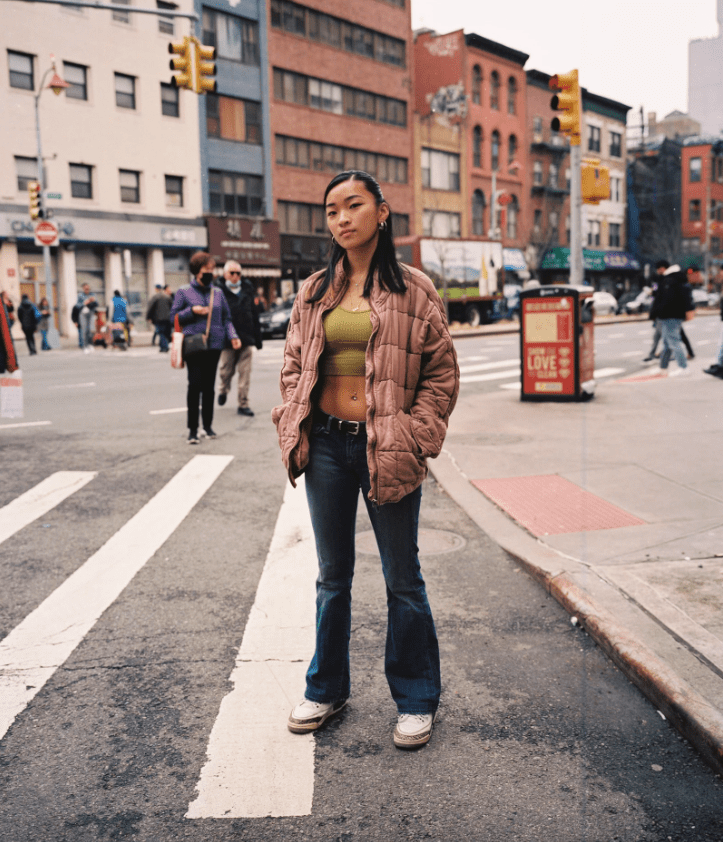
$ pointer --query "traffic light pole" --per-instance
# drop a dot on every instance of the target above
(576, 265)
(41, 182)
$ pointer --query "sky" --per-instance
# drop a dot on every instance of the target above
(632, 51)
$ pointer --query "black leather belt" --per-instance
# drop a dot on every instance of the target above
(332, 423)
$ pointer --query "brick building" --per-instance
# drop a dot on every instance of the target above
(702, 200)
(341, 96)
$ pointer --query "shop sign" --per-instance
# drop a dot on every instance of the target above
(548, 366)
(593, 261)
(252, 242)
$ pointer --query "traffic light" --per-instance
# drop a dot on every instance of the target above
(206, 67)
(184, 63)
(595, 181)
(568, 100)
(35, 200)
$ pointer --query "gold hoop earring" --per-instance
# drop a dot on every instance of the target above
(383, 225)
(333, 241)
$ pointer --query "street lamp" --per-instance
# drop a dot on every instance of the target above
(512, 168)
(56, 85)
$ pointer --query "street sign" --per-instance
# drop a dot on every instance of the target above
(46, 233)
(53, 195)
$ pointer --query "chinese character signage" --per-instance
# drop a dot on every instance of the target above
(252, 242)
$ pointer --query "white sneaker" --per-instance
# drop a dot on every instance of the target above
(661, 372)
(680, 372)
(308, 716)
(413, 729)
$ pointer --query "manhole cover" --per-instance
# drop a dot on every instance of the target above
(431, 542)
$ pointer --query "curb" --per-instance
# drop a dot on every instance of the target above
(694, 717)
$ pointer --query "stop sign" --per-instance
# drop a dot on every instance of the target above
(46, 233)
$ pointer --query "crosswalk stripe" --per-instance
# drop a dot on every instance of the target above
(255, 766)
(492, 375)
(43, 641)
(466, 369)
(41, 499)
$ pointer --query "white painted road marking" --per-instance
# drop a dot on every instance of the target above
(468, 369)
(39, 500)
(44, 640)
(255, 766)
(73, 386)
(493, 375)
(167, 411)
(25, 424)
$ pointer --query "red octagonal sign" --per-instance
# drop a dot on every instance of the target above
(46, 233)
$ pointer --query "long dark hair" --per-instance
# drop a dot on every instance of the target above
(384, 260)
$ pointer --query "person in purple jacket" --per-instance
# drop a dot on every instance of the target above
(192, 306)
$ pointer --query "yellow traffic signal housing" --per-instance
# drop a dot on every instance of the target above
(35, 200)
(184, 63)
(569, 101)
(206, 67)
(595, 181)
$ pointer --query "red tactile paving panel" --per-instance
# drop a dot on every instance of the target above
(551, 505)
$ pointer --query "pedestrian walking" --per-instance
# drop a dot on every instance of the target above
(87, 304)
(8, 357)
(159, 314)
(9, 308)
(369, 380)
(201, 313)
(44, 323)
(28, 316)
(119, 326)
(673, 305)
(717, 368)
(240, 295)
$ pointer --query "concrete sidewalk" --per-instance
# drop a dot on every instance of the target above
(626, 529)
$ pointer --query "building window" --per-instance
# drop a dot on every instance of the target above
(301, 218)
(440, 170)
(165, 24)
(440, 224)
(170, 101)
(554, 222)
(121, 17)
(695, 169)
(511, 148)
(694, 210)
(614, 232)
(495, 90)
(81, 184)
(568, 178)
(478, 213)
(616, 145)
(512, 95)
(338, 99)
(512, 212)
(174, 191)
(553, 176)
(495, 150)
(400, 221)
(336, 32)
(233, 37)
(77, 77)
(537, 224)
(537, 174)
(477, 85)
(233, 119)
(593, 232)
(537, 129)
(26, 170)
(614, 189)
(325, 157)
(125, 91)
(477, 146)
(236, 194)
(20, 66)
(593, 138)
(130, 186)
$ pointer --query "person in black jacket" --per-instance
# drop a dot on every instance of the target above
(240, 295)
(28, 317)
(717, 368)
(673, 302)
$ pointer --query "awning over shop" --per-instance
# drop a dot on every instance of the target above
(593, 261)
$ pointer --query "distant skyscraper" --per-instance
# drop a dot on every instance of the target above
(705, 80)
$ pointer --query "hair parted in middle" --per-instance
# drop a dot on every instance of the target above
(384, 261)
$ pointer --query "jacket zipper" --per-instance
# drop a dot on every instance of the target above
(371, 411)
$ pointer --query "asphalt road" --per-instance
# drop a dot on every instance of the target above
(539, 737)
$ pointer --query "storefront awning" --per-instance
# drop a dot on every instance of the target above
(593, 261)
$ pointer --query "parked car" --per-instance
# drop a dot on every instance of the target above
(703, 298)
(624, 299)
(275, 322)
(641, 303)
(605, 303)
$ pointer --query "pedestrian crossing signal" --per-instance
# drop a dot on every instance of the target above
(35, 200)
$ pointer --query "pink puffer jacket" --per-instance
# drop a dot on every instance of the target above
(412, 382)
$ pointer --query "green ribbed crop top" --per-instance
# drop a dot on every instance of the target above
(347, 337)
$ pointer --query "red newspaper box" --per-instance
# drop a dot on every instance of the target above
(556, 343)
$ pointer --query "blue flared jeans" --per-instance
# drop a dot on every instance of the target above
(672, 344)
(336, 473)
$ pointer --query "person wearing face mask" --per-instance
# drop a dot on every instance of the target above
(202, 309)
(239, 294)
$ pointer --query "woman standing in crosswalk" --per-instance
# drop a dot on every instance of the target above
(369, 380)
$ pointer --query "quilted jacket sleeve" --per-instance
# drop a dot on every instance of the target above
(291, 368)
(438, 384)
